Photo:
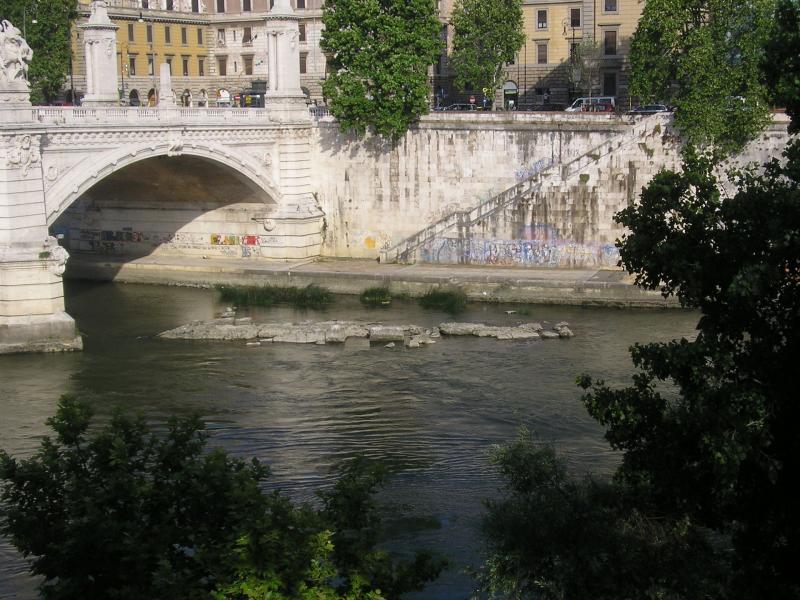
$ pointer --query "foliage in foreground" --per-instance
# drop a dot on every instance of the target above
(552, 537)
(704, 57)
(376, 296)
(707, 430)
(448, 300)
(49, 38)
(124, 513)
(378, 54)
(310, 296)
(487, 34)
(782, 61)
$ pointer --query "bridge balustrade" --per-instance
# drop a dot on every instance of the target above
(116, 115)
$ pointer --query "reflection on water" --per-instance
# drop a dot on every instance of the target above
(430, 413)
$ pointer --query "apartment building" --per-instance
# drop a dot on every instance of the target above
(544, 71)
(216, 49)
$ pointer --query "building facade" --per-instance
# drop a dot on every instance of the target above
(217, 51)
(571, 48)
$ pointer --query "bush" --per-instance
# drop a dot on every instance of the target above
(311, 296)
(376, 296)
(127, 514)
(448, 300)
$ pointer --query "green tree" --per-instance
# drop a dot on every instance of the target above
(782, 62)
(704, 57)
(487, 35)
(49, 38)
(378, 54)
(124, 513)
(584, 67)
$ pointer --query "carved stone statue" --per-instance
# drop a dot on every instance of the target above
(15, 54)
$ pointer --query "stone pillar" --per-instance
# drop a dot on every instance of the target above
(284, 96)
(32, 316)
(100, 48)
(167, 96)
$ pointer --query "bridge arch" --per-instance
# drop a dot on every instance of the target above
(86, 174)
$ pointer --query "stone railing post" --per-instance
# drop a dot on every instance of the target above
(100, 49)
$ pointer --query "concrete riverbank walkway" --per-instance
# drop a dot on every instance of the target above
(580, 287)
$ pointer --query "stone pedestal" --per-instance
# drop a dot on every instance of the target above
(166, 97)
(284, 97)
(100, 48)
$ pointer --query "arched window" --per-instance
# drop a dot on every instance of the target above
(203, 98)
(133, 98)
(152, 97)
(186, 98)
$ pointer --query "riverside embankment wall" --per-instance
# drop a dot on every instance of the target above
(375, 193)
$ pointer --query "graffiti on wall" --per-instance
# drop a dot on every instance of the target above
(534, 168)
(518, 253)
(128, 241)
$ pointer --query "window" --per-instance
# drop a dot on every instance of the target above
(248, 65)
(575, 17)
(301, 3)
(185, 61)
(150, 34)
(195, 6)
(541, 19)
(145, 4)
(271, 4)
(222, 65)
(541, 53)
(246, 7)
(233, 34)
(168, 60)
(170, 5)
(610, 6)
(151, 69)
(302, 27)
(199, 37)
(201, 67)
(131, 65)
(303, 60)
(247, 36)
(609, 84)
(610, 42)
(220, 37)
(184, 36)
(167, 35)
(130, 32)
(220, 6)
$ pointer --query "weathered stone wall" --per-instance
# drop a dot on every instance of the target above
(374, 195)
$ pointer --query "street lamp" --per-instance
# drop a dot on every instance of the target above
(152, 52)
(25, 21)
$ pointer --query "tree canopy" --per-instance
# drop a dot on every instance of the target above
(487, 34)
(703, 503)
(782, 60)
(378, 54)
(49, 38)
(123, 512)
(704, 57)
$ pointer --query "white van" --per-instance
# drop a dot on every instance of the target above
(583, 104)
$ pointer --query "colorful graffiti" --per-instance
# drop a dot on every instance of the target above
(518, 253)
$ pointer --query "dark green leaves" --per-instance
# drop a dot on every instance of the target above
(378, 54)
(704, 57)
(487, 35)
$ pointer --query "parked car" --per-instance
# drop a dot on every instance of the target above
(587, 104)
(649, 109)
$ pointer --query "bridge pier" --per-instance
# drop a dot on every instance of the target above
(32, 317)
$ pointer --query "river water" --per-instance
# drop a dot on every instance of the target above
(431, 413)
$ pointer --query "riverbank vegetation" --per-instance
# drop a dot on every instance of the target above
(376, 296)
(310, 296)
(449, 300)
(118, 511)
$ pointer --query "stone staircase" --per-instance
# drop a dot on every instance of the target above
(640, 147)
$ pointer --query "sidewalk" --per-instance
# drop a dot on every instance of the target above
(582, 287)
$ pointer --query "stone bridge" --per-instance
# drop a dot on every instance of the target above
(256, 160)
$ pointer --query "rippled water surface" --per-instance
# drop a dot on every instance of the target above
(430, 413)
